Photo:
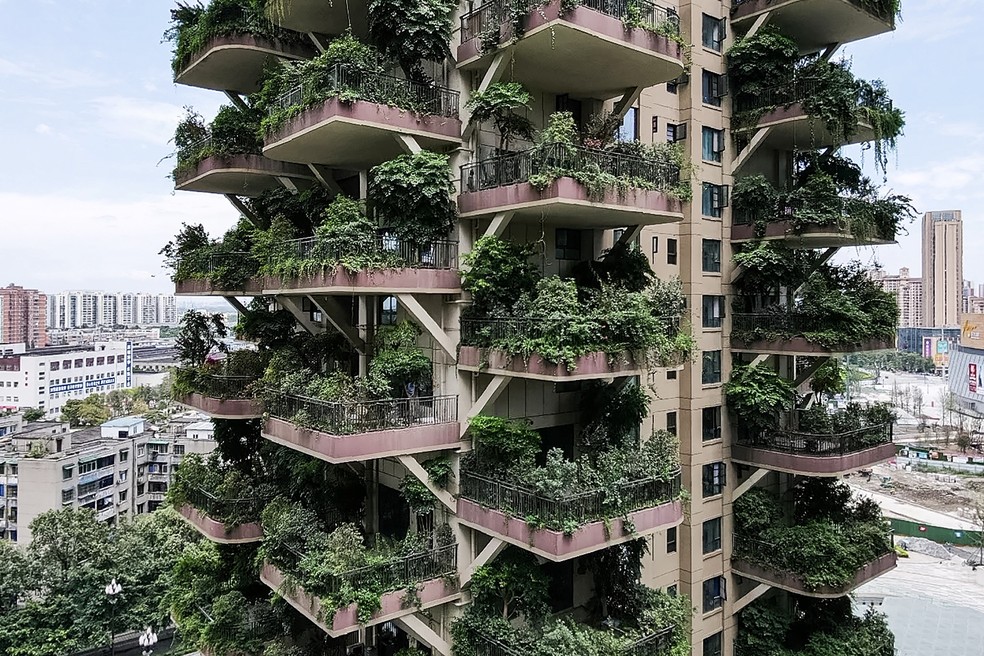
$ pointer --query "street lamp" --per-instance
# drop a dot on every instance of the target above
(113, 589)
(147, 640)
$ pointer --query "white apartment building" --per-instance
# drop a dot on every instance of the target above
(118, 469)
(82, 309)
(47, 378)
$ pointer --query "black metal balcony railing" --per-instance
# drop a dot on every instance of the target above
(240, 144)
(786, 323)
(221, 509)
(654, 643)
(514, 168)
(489, 331)
(794, 90)
(373, 87)
(818, 444)
(882, 10)
(218, 261)
(583, 507)
(227, 387)
(783, 211)
(440, 254)
(491, 15)
(354, 417)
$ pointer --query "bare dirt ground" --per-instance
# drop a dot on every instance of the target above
(944, 492)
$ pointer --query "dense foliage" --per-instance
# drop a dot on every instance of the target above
(825, 539)
(410, 33)
(233, 131)
(757, 395)
(223, 492)
(894, 361)
(411, 196)
(51, 595)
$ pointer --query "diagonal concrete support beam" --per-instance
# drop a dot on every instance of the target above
(337, 316)
(416, 627)
(319, 41)
(807, 373)
(491, 550)
(757, 140)
(628, 99)
(244, 209)
(293, 305)
(236, 303)
(426, 321)
(421, 474)
(408, 143)
(759, 359)
(499, 224)
(824, 258)
(288, 184)
(829, 51)
(629, 235)
(750, 596)
(492, 392)
(236, 100)
(749, 483)
(325, 177)
(759, 23)
(492, 75)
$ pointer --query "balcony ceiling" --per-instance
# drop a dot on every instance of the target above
(813, 24)
(236, 63)
(321, 16)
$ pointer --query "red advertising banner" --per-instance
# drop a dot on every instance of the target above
(972, 376)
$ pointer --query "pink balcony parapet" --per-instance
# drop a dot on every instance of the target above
(591, 366)
(554, 545)
(798, 463)
(198, 287)
(792, 582)
(217, 531)
(434, 592)
(802, 346)
(417, 438)
(241, 175)
(809, 237)
(568, 197)
(225, 408)
(389, 281)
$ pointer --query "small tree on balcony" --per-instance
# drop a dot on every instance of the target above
(500, 104)
(411, 32)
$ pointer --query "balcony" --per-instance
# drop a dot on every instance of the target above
(232, 55)
(488, 346)
(815, 24)
(784, 225)
(658, 642)
(236, 169)
(106, 514)
(314, 125)
(815, 454)
(767, 563)
(225, 397)
(502, 510)
(350, 431)
(790, 333)
(398, 267)
(502, 184)
(611, 56)
(426, 571)
(205, 512)
(207, 282)
(319, 16)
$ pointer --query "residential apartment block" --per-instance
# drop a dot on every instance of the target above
(45, 378)
(22, 316)
(942, 253)
(908, 292)
(572, 297)
(81, 309)
(118, 469)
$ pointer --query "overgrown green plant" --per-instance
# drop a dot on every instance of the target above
(410, 33)
(756, 395)
(499, 103)
(498, 272)
(412, 195)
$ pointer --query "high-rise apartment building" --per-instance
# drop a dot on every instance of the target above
(568, 304)
(942, 254)
(90, 309)
(22, 316)
(908, 292)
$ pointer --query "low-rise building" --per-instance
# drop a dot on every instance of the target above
(46, 378)
(118, 469)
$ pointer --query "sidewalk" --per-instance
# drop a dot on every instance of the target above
(899, 509)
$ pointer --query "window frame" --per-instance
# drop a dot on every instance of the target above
(715, 259)
(710, 430)
(711, 601)
(563, 252)
(714, 478)
(710, 373)
(713, 32)
(713, 310)
(712, 144)
(671, 540)
(671, 251)
(714, 544)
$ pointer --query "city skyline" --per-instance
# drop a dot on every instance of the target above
(98, 115)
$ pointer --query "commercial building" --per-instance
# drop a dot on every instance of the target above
(942, 254)
(681, 200)
(88, 309)
(46, 378)
(118, 469)
(22, 316)
(908, 292)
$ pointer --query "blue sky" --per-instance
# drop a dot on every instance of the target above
(88, 108)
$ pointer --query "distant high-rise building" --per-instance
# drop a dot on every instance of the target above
(908, 294)
(942, 254)
(88, 309)
(22, 316)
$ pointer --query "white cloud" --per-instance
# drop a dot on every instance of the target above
(136, 118)
(42, 128)
(932, 21)
(60, 77)
(65, 242)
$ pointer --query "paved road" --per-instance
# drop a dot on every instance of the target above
(893, 507)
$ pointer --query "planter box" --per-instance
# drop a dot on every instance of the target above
(224, 408)
(799, 463)
(588, 367)
(792, 582)
(217, 531)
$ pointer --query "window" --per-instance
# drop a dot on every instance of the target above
(629, 129)
(179, 449)
(89, 362)
(86, 467)
(715, 475)
(387, 314)
(712, 311)
(671, 540)
(715, 87)
(710, 421)
(100, 361)
(711, 255)
(714, 593)
(671, 590)
(66, 364)
(671, 422)
(568, 244)
(78, 363)
(11, 491)
(672, 85)
(110, 359)
(655, 246)
(712, 33)
(67, 473)
(671, 251)
(140, 449)
(676, 132)
(711, 368)
(712, 645)
(713, 199)
(68, 495)
(54, 367)
(712, 144)
(124, 455)
(671, 374)
(122, 496)
(712, 535)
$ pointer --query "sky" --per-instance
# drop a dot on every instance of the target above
(89, 107)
